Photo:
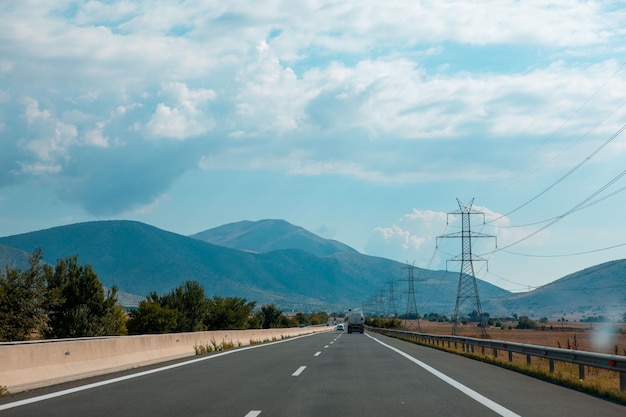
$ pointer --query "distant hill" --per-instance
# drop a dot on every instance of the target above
(270, 235)
(12, 257)
(139, 258)
(596, 291)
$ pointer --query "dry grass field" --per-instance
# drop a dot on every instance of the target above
(592, 337)
(596, 337)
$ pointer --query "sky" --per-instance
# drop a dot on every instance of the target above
(369, 122)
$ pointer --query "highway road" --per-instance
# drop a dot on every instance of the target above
(326, 374)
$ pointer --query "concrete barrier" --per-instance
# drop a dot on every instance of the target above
(25, 366)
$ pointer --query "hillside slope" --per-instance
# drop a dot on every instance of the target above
(270, 235)
(13, 258)
(139, 258)
(594, 291)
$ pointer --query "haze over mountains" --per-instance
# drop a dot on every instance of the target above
(273, 261)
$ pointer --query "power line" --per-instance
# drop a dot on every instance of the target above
(526, 286)
(572, 115)
(565, 254)
(570, 172)
(570, 211)
(565, 123)
(593, 203)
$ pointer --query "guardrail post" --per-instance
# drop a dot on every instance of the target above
(581, 372)
(495, 352)
(622, 381)
(528, 360)
(510, 356)
(551, 365)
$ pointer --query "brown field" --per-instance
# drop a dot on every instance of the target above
(579, 336)
(592, 337)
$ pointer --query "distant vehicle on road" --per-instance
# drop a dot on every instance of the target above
(356, 321)
(340, 327)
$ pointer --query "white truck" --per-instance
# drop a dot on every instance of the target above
(356, 321)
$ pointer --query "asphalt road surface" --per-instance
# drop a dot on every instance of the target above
(326, 374)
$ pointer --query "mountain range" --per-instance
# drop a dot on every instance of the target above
(273, 261)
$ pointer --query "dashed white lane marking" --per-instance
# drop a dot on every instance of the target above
(253, 413)
(326, 347)
(504, 412)
(317, 354)
(299, 371)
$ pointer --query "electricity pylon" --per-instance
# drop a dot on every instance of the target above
(411, 305)
(468, 289)
(392, 299)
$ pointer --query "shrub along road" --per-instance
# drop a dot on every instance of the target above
(330, 374)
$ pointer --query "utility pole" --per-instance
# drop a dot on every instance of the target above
(468, 289)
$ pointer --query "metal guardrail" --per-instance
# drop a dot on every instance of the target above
(468, 344)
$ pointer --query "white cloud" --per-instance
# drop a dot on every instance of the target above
(346, 89)
(395, 234)
(412, 237)
(95, 137)
(32, 111)
(185, 118)
(50, 139)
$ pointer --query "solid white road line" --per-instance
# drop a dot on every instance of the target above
(504, 412)
(299, 371)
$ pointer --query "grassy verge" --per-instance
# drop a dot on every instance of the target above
(213, 346)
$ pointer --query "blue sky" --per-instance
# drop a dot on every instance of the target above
(360, 121)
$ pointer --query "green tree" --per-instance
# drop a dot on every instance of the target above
(271, 315)
(77, 304)
(318, 318)
(115, 322)
(526, 323)
(22, 300)
(228, 313)
(191, 304)
(151, 317)
(302, 318)
(184, 309)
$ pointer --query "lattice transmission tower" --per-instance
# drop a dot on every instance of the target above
(393, 311)
(467, 292)
(411, 304)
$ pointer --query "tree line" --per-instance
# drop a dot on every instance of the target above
(68, 300)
